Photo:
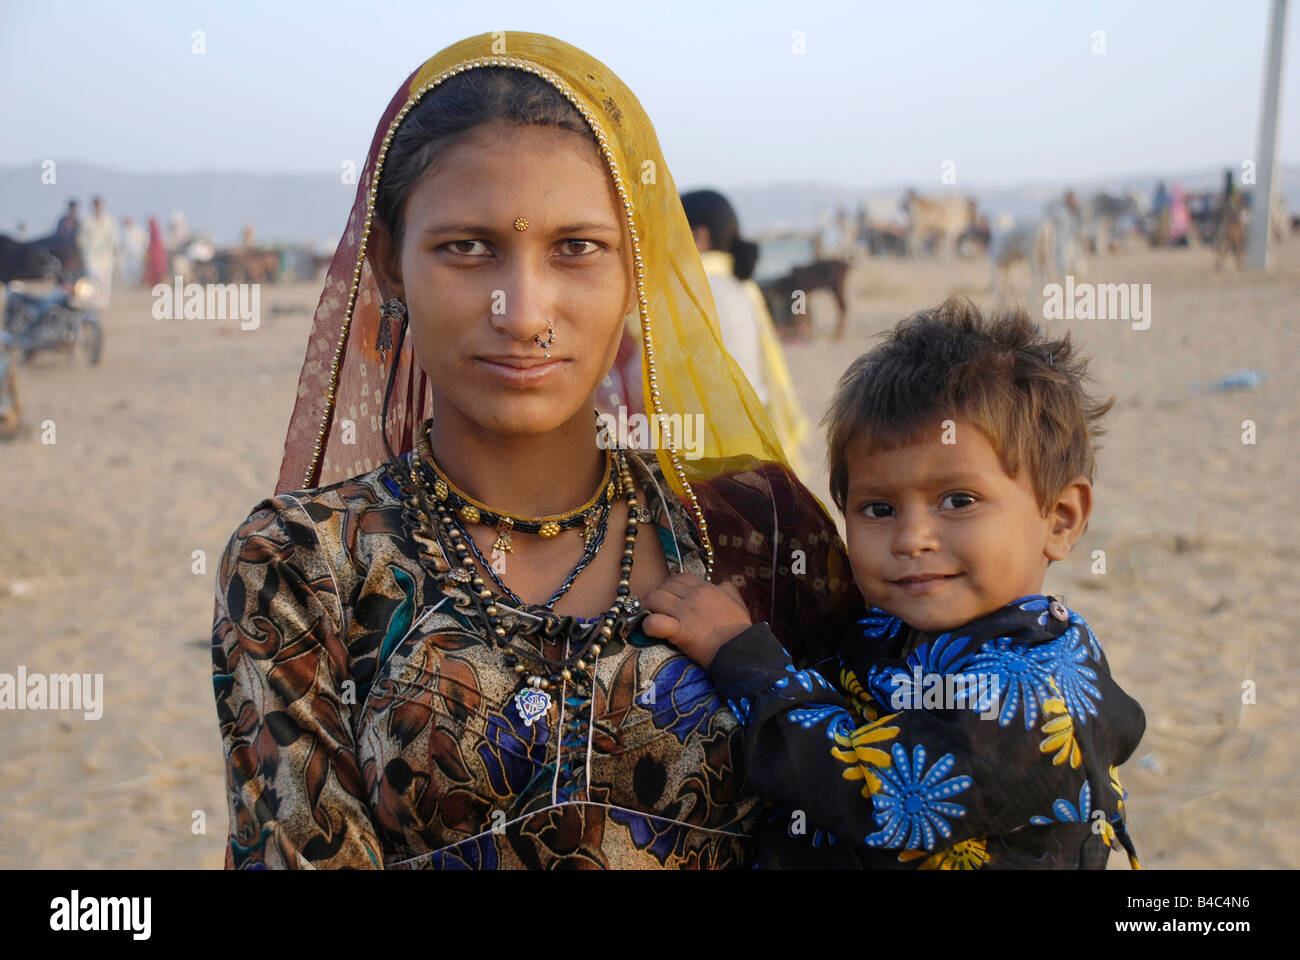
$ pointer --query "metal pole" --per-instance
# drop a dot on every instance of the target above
(1266, 151)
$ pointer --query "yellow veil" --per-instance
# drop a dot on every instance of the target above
(335, 432)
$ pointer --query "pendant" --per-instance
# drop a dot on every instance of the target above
(498, 563)
(591, 526)
(532, 704)
(503, 536)
(642, 513)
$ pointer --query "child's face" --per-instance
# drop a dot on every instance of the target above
(951, 509)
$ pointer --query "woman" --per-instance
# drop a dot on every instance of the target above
(1180, 219)
(422, 657)
(155, 268)
(746, 324)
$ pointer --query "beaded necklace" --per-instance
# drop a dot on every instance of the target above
(591, 545)
(471, 511)
(539, 674)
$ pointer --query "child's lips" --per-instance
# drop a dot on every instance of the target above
(927, 583)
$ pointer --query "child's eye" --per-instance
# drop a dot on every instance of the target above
(870, 510)
(959, 500)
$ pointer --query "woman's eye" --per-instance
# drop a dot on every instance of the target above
(959, 500)
(467, 247)
(877, 510)
(579, 247)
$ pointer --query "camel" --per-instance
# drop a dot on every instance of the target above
(947, 219)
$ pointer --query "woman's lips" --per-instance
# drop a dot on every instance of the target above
(518, 371)
(931, 583)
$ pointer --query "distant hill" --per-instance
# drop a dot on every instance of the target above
(283, 207)
(307, 208)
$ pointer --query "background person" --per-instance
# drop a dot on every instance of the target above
(97, 239)
(743, 316)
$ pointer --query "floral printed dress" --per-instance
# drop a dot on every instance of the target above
(367, 723)
(995, 745)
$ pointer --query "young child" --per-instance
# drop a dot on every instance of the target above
(968, 721)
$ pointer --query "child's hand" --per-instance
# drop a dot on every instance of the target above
(695, 616)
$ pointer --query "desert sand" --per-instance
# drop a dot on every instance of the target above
(162, 449)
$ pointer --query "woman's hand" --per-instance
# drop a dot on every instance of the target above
(695, 616)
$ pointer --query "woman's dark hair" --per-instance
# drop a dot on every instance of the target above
(446, 114)
(451, 110)
(708, 208)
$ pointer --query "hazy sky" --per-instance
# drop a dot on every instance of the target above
(885, 93)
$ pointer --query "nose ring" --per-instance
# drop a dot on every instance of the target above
(550, 338)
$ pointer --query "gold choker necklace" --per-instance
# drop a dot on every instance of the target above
(472, 511)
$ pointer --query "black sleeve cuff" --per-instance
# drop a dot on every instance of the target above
(749, 663)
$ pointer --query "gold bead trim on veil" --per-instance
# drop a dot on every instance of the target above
(647, 341)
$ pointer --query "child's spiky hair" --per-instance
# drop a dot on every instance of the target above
(1023, 391)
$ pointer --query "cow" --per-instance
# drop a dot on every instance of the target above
(303, 263)
(1050, 246)
(881, 239)
(1100, 214)
(1012, 244)
(67, 252)
(975, 240)
(247, 265)
(944, 220)
(819, 275)
(26, 261)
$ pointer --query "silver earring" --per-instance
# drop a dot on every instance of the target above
(550, 338)
(393, 309)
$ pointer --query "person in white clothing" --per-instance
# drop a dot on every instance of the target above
(744, 321)
(135, 240)
(97, 240)
(729, 261)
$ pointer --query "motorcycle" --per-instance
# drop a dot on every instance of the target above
(62, 319)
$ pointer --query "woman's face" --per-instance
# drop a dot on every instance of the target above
(478, 289)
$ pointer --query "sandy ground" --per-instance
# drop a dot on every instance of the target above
(164, 447)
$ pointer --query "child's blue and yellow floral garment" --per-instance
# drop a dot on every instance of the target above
(995, 745)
